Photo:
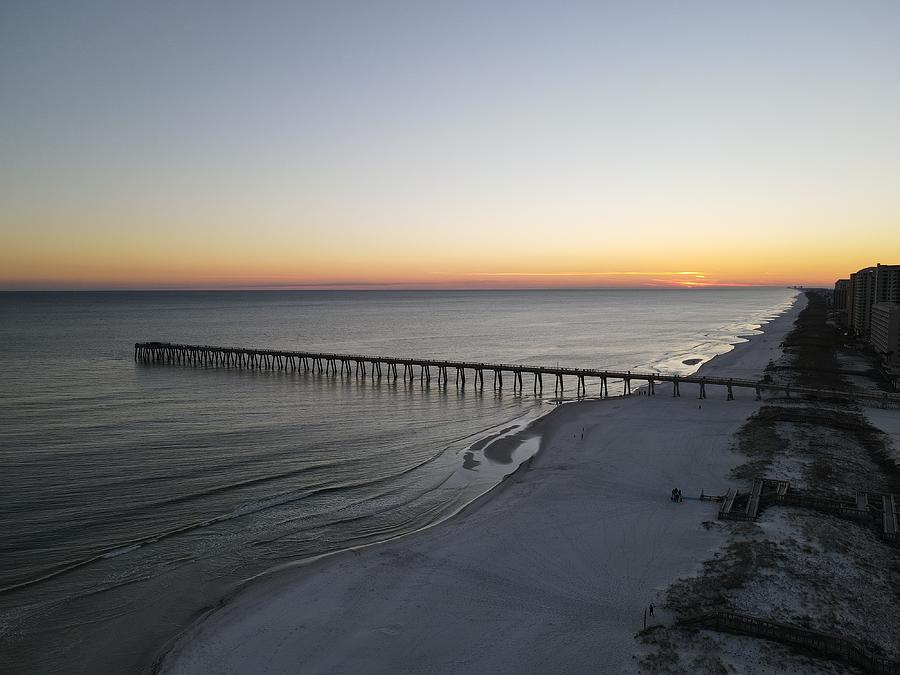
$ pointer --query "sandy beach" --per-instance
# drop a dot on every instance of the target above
(551, 571)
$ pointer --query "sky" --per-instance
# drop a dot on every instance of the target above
(384, 144)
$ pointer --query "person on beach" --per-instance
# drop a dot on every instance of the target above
(651, 609)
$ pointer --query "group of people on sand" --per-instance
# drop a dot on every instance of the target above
(676, 495)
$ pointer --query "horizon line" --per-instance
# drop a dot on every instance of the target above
(392, 287)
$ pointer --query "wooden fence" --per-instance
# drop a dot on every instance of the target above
(823, 644)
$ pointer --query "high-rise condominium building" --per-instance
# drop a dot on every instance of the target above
(867, 287)
(885, 333)
(839, 299)
(840, 293)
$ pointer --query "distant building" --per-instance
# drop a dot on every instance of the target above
(885, 333)
(839, 299)
(859, 300)
(867, 287)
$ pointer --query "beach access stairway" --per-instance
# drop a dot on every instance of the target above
(865, 506)
(889, 517)
(826, 645)
(728, 504)
(749, 503)
(359, 365)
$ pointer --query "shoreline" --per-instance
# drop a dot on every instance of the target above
(547, 427)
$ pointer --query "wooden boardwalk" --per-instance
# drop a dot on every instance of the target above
(728, 504)
(826, 645)
(737, 506)
(424, 369)
(753, 502)
(781, 489)
(868, 507)
(889, 517)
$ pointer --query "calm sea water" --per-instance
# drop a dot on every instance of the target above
(133, 496)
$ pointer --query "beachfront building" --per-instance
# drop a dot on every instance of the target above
(867, 287)
(885, 336)
(858, 293)
(839, 300)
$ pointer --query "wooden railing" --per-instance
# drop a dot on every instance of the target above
(827, 645)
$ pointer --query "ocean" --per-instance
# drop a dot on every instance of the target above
(133, 497)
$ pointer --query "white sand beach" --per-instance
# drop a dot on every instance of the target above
(550, 572)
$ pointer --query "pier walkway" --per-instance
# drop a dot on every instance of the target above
(424, 369)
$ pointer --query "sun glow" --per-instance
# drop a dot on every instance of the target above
(425, 154)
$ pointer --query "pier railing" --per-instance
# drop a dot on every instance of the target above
(362, 365)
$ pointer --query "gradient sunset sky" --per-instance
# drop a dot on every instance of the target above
(446, 144)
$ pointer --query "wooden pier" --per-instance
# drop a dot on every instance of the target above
(427, 369)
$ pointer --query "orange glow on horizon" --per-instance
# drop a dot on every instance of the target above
(179, 256)
(547, 280)
(424, 154)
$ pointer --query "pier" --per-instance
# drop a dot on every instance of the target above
(426, 370)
